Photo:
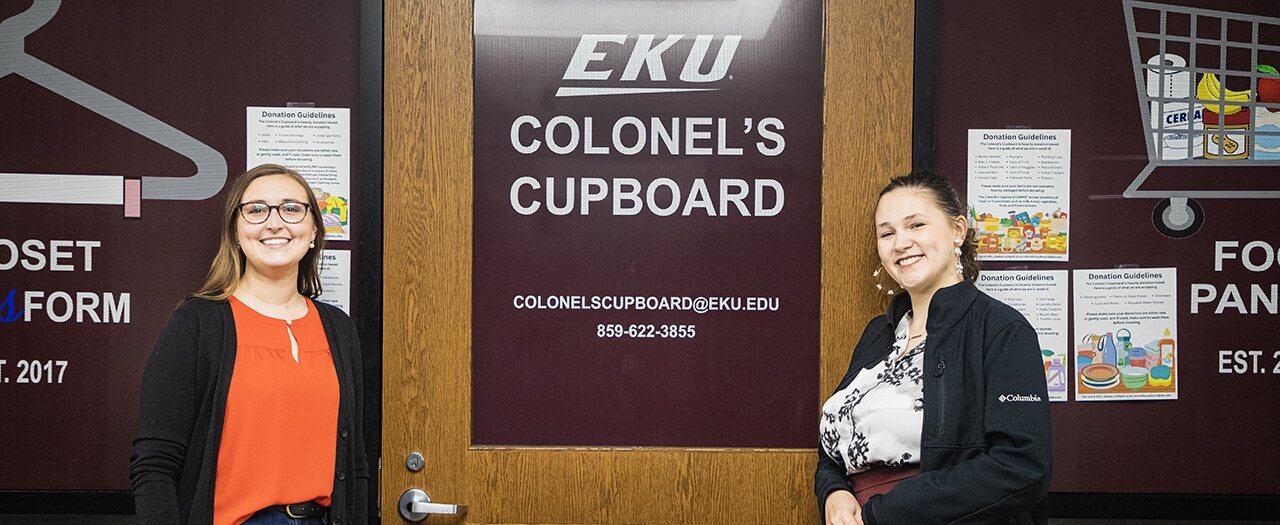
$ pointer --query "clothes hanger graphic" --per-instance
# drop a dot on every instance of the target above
(211, 166)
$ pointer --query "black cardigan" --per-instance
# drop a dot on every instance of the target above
(986, 447)
(184, 397)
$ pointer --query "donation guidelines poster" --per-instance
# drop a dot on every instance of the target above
(316, 143)
(1020, 193)
(1126, 322)
(1041, 296)
(646, 224)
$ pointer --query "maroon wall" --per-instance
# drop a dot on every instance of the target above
(1067, 65)
(195, 67)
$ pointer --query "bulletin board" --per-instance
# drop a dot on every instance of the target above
(123, 123)
(1157, 180)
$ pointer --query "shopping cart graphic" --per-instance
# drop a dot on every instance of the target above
(1209, 97)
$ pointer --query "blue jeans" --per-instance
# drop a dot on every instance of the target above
(272, 517)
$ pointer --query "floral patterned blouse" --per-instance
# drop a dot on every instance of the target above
(877, 419)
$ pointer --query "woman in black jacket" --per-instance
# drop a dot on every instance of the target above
(943, 415)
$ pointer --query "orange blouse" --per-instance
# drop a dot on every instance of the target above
(279, 433)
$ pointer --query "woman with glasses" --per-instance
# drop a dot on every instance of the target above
(251, 409)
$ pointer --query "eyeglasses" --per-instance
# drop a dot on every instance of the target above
(259, 212)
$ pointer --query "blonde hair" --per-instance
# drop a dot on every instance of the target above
(228, 265)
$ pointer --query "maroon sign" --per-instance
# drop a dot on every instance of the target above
(1084, 68)
(122, 122)
(647, 219)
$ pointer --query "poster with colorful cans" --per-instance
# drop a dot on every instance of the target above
(1020, 193)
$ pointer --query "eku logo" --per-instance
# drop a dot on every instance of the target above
(647, 56)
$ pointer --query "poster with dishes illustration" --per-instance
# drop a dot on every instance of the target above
(1041, 296)
(1126, 333)
(1019, 193)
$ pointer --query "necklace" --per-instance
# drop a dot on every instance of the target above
(910, 347)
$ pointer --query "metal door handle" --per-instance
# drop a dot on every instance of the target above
(415, 505)
(434, 508)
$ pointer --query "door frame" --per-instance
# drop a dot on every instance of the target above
(427, 281)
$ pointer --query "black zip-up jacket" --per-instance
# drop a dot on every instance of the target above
(986, 449)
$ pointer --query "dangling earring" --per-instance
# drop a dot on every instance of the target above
(959, 265)
(313, 244)
(880, 287)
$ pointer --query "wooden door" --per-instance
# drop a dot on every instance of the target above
(427, 272)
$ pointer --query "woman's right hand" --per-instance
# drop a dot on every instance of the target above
(843, 509)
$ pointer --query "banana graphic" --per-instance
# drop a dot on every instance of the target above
(1210, 90)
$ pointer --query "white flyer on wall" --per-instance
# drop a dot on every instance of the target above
(1020, 193)
(1126, 325)
(335, 279)
(1041, 296)
(315, 142)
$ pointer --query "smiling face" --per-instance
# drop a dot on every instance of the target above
(273, 249)
(916, 241)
